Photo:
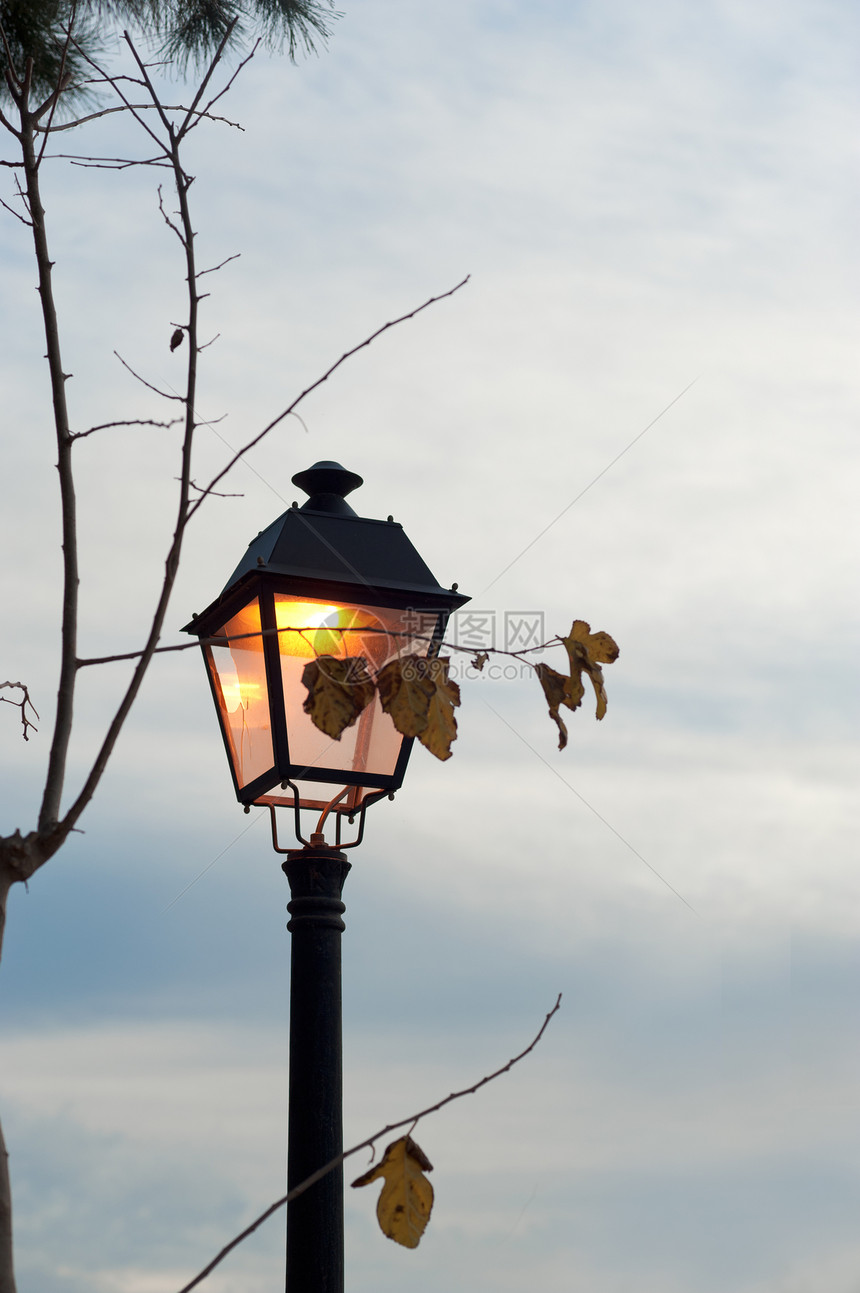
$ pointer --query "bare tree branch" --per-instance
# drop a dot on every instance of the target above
(115, 85)
(21, 855)
(68, 654)
(138, 107)
(63, 78)
(183, 183)
(326, 375)
(191, 118)
(365, 1144)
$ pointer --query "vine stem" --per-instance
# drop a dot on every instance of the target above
(410, 1122)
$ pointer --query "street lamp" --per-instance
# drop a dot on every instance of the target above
(320, 581)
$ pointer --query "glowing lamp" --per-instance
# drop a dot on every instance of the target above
(319, 582)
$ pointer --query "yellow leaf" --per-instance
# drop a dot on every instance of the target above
(406, 1199)
(587, 651)
(600, 647)
(421, 698)
(338, 690)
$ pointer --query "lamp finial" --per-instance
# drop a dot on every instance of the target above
(328, 484)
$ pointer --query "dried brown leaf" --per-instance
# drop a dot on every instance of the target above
(555, 689)
(406, 1200)
(338, 690)
(441, 727)
(586, 652)
(404, 695)
(421, 699)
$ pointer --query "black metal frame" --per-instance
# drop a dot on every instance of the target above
(317, 836)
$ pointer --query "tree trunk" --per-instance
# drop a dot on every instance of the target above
(7, 1272)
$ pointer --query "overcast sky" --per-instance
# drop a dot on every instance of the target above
(641, 411)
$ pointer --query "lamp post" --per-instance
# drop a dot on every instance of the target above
(320, 581)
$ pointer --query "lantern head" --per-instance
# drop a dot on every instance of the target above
(320, 581)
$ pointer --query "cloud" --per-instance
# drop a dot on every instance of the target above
(644, 197)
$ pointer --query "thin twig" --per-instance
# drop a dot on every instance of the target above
(166, 218)
(189, 125)
(164, 394)
(25, 201)
(17, 214)
(22, 704)
(13, 80)
(108, 78)
(384, 1131)
(213, 269)
(108, 163)
(226, 639)
(213, 492)
(126, 422)
(7, 124)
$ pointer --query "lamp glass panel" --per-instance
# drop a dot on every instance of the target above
(309, 629)
(239, 675)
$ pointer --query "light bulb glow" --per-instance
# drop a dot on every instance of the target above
(309, 616)
(239, 695)
(328, 629)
